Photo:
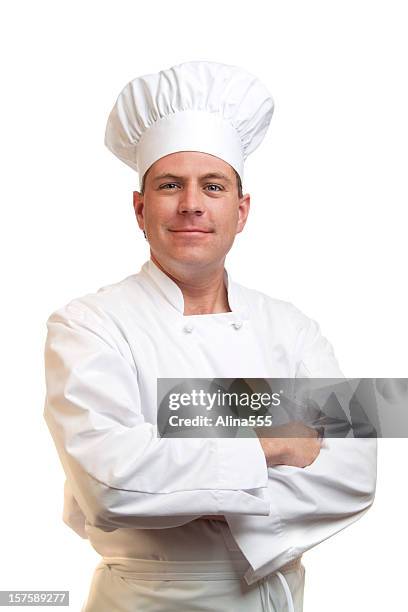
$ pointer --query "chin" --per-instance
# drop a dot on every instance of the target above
(188, 257)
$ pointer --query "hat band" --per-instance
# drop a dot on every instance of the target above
(190, 130)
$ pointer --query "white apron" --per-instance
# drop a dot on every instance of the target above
(195, 567)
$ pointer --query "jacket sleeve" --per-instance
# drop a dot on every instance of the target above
(311, 504)
(120, 473)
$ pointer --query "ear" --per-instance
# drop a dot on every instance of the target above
(243, 211)
(138, 206)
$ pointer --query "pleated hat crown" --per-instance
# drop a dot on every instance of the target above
(200, 106)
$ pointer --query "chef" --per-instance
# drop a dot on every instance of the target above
(198, 523)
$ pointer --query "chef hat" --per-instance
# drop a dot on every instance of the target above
(195, 106)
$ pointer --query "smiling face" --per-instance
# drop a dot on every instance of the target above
(190, 210)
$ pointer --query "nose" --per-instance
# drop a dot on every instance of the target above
(190, 200)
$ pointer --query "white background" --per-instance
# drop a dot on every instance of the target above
(327, 230)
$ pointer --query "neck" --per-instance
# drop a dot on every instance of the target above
(203, 292)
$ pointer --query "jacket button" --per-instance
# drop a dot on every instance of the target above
(237, 324)
(188, 329)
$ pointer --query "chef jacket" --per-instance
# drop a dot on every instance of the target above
(103, 354)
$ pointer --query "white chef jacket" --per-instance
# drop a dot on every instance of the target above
(104, 352)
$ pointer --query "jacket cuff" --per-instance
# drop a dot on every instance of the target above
(242, 464)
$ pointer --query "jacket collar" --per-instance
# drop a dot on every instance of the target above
(174, 296)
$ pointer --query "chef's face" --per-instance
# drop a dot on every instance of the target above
(190, 210)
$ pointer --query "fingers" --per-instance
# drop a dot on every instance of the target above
(320, 432)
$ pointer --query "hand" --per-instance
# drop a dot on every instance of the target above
(293, 444)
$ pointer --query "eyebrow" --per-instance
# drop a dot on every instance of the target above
(210, 175)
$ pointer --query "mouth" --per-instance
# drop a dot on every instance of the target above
(190, 231)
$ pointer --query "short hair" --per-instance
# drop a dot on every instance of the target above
(238, 178)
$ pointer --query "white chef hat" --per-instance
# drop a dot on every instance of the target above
(195, 106)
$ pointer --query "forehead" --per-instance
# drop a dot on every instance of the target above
(190, 163)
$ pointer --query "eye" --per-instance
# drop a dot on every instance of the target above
(168, 185)
(217, 187)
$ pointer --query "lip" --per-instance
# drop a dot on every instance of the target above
(190, 231)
